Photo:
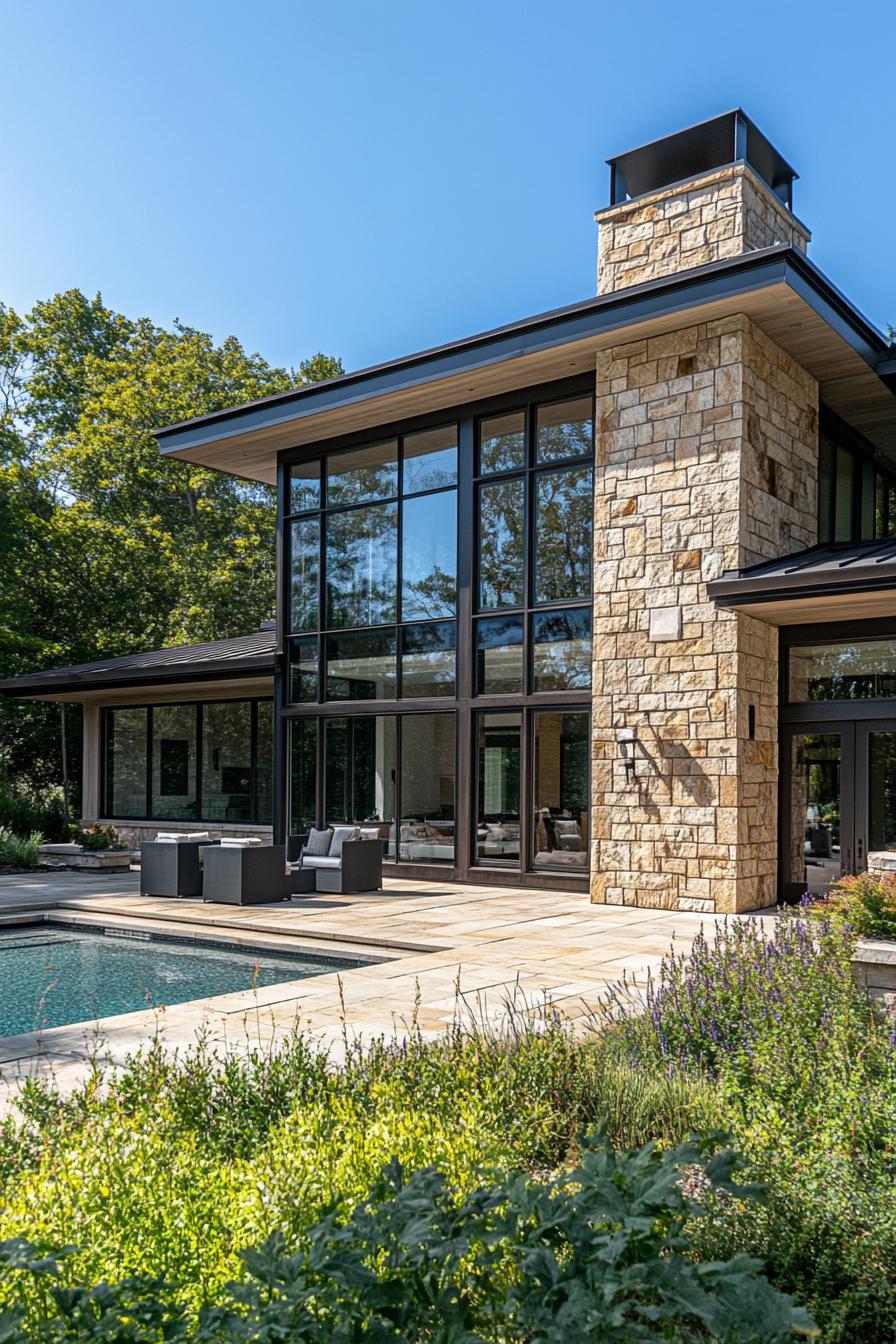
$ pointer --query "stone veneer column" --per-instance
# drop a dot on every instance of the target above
(720, 214)
(706, 461)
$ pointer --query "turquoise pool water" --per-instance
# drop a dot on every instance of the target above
(50, 977)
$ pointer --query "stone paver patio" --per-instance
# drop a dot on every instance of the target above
(443, 949)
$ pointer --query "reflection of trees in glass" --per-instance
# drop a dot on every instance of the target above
(565, 430)
(502, 443)
(302, 774)
(360, 769)
(881, 791)
(428, 659)
(126, 762)
(502, 516)
(562, 650)
(429, 556)
(861, 671)
(304, 573)
(563, 527)
(362, 565)
(369, 474)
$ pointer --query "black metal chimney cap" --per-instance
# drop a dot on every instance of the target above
(730, 138)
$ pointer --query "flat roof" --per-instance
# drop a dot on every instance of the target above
(778, 287)
(245, 655)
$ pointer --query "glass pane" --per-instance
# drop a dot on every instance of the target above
(866, 498)
(565, 429)
(304, 573)
(880, 506)
(563, 521)
(174, 762)
(126, 763)
(825, 490)
(499, 655)
(362, 666)
(428, 659)
(304, 486)
(427, 788)
(561, 650)
(502, 530)
(264, 761)
(881, 791)
(430, 459)
(429, 556)
(302, 670)
(362, 565)
(369, 473)
(502, 442)
(227, 761)
(864, 670)
(560, 791)
(815, 767)
(498, 789)
(844, 496)
(360, 771)
(302, 775)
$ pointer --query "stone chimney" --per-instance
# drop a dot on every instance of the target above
(715, 190)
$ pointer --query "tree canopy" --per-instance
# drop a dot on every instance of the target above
(106, 547)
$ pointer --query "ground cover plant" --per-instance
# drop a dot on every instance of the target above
(162, 1176)
(19, 851)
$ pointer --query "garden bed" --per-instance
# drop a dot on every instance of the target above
(75, 856)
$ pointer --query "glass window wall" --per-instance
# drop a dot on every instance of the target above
(565, 429)
(304, 573)
(853, 670)
(302, 775)
(499, 655)
(125, 763)
(303, 670)
(227, 761)
(361, 665)
(361, 560)
(426, 833)
(560, 805)
(563, 520)
(190, 762)
(502, 443)
(429, 460)
(561, 650)
(428, 659)
(498, 788)
(429, 556)
(366, 475)
(359, 755)
(502, 541)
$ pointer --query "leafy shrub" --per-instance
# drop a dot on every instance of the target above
(19, 850)
(97, 837)
(25, 812)
(865, 903)
(599, 1253)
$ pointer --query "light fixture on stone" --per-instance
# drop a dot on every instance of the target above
(626, 739)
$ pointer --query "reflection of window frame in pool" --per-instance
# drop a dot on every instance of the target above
(464, 703)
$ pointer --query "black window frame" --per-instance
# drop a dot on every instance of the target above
(869, 473)
(197, 705)
(464, 704)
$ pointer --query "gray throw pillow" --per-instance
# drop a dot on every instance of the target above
(318, 842)
(340, 835)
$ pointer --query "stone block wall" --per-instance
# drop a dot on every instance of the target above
(706, 461)
(720, 214)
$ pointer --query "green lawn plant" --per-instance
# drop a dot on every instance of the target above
(159, 1176)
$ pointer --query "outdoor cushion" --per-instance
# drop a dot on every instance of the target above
(370, 833)
(240, 841)
(318, 842)
(320, 861)
(340, 835)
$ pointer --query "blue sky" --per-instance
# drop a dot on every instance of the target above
(374, 178)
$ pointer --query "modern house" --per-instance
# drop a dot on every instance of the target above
(602, 600)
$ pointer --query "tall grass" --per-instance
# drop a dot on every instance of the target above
(19, 850)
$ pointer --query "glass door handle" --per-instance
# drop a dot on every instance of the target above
(860, 849)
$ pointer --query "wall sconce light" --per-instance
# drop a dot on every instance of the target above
(626, 739)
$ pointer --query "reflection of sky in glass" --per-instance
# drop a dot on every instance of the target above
(429, 556)
(361, 566)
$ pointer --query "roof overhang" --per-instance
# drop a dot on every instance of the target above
(842, 582)
(778, 288)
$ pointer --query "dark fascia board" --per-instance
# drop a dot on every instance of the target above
(738, 590)
(51, 682)
(728, 278)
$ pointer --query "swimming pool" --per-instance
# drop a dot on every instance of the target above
(52, 976)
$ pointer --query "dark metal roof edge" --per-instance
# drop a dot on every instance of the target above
(744, 598)
(725, 278)
(45, 683)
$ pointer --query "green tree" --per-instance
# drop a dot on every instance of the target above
(106, 546)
